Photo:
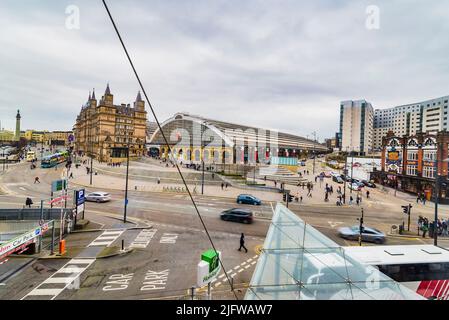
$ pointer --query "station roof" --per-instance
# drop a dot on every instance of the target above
(297, 262)
(230, 132)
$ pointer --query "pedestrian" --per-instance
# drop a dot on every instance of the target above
(242, 243)
(226, 186)
(418, 197)
(300, 199)
(36, 180)
(357, 200)
(158, 180)
(28, 202)
(367, 194)
(424, 200)
(71, 175)
(222, 185)
(444, 227)
(326, 197)
(350, 200)
(275, 184)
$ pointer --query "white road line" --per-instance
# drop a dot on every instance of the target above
(106, 238)
(55, 279)
(255, 256)
(241, 270)
(221, 276)
(253, 262)
(233, 275)
(243, 263)
(247, 266)
(217, 284)
(249, 260)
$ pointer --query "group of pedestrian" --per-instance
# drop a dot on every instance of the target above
(421, 197)
(114, 164)
(224, 186)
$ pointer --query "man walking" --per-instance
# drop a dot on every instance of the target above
(36, 180)
(367, 194)
(242, 243)
(222, 185)
(28, 202)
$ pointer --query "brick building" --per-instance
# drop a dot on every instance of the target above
(411, 163)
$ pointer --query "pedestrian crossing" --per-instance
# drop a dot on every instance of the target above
(68, 275)
(106, 238)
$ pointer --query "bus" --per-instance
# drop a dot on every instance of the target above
(421, 268)
(31, 156)
(54, 159)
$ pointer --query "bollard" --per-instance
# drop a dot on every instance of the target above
(193, 293)
(123, 244)
(62, 247)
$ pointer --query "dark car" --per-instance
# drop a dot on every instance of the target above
(337, 179)
(368, 234)
(237, 215)
(368, 184)
(248, 199)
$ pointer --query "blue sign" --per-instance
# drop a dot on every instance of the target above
(80, 197)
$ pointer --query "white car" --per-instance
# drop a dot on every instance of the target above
(98, 196)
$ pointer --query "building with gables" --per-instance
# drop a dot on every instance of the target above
(412, 163)
(105, 131)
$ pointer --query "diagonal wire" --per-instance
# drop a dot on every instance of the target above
(166, 142)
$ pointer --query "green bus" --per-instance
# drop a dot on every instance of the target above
(54, 159)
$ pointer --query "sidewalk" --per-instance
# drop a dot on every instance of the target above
(107, 182)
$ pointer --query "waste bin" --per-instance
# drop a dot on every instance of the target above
(401, 228)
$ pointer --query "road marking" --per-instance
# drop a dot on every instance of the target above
(249, 260)
(155, 280)
(247, 266)
(253, 262)
(217, 284)
(72, 267)
(106, 238)
(241, 270)
(22, 188)
(169, 238)
(334, 224)
(143, 239)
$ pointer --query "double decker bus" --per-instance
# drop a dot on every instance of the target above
(31, 156)
(421, 268)
(54, 159)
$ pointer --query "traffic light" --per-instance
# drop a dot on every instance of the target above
(284, 197)
(405, 209)
(290, 198)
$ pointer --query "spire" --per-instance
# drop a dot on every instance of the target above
(108, 91)
(139, 98)
(93, 94)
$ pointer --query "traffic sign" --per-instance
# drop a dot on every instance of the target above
(58, 185)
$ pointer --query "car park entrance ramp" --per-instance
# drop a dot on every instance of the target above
(297, 262)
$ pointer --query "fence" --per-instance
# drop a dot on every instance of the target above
(34, 214)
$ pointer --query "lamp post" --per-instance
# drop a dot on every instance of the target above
(126, 184)
(437, 199)
(202, 158)
(314, 141)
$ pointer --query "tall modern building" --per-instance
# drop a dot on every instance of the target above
(428, 117)
(356, 126)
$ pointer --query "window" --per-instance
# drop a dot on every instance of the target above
(412, 170)
(428, 172)
(429, 155)
(412, 155)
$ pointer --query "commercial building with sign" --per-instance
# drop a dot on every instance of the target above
(194, 138)
(106, 131)
(411, 163)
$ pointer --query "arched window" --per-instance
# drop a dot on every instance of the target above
(216, 155)
(206, 155)
(197, 155)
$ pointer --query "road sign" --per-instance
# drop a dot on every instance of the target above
(58, 200)
(58, 185)
(209, 267)
(80, 196)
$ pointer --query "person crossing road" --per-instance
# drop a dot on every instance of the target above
(242, 243)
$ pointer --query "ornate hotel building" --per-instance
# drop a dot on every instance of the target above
(105, 131)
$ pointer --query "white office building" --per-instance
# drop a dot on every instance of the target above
(427, 116)
(356, 126)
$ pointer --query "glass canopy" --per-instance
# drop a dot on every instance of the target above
(298, 262)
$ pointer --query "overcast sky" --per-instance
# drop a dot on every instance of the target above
(274, 64)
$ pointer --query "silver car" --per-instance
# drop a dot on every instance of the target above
(98, 196)
(368, 234)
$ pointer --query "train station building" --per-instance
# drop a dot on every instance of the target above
(194, 139)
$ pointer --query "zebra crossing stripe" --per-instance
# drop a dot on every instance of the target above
(74, 268)
(106, 238)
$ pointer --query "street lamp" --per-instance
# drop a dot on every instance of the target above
(437, 199)
(202, 157)
(126, 186)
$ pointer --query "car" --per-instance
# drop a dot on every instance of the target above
(368, 184)
(355, 187)
(368, 234)
(337, 179)
(98, 196)
(237, 215)
(327, 174)
(248, 199)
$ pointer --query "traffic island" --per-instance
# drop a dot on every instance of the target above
(81, 224)
(114, 251)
